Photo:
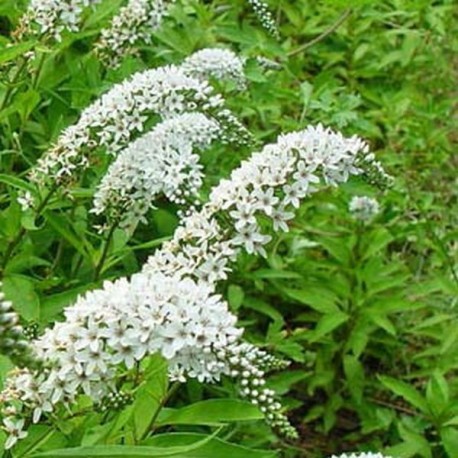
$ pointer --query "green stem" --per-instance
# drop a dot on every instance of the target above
(173, 389)
(13, 83)
(36, 77)
(99, 267)
(322, 36)
(442, 248)
(38, 443)
(352, 305)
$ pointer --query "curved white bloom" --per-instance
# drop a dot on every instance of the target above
(133, 25)
(364, 208)
(121, 113)
(52, 17)
(268, 186)
(113, 120)
(163, 161)
(216, 63)
(360, 455)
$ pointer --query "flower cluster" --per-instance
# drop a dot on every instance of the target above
(132, 26)
(116, 400)
(264, 191)
(123, 112)
(52, 17)
(163, 161)
(264, 15)
(217, 63)
(361, 455)
(364, 208)
(115, 327)
(13, 341)
(250, 369)
(171, 307)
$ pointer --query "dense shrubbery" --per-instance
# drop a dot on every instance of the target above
(140, 234)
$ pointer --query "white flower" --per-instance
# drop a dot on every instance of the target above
(213, 269)
(244, 215)
(294, 194)
(265, 200)
(364, 208)
(14, 429)
(250, 238)
(279, 218)
(26, 200)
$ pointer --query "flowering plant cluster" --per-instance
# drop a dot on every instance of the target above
(114, 120)
(170, 265)
(171, 307)
(264, 191)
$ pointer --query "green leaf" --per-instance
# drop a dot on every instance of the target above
(11, 52)
(26, 102)
(38, 437)
(52, 305)
(63, 227)
(437, 394)
(235, 296)
(338, 250)
(406, 391)
(264, 308)
(215, 448)
(377, 240)
(21, 291)
(316, 297)
(262, 274)
(150, 396)
(17, 183)
(414, 445)
(354, 372)
(327, 324)
(211, 412)
(381, 321)
(449, 438)
(126, 451)
(10, 219)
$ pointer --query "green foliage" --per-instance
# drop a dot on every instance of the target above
(366, 312)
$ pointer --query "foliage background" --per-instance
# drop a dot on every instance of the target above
(367, 313)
